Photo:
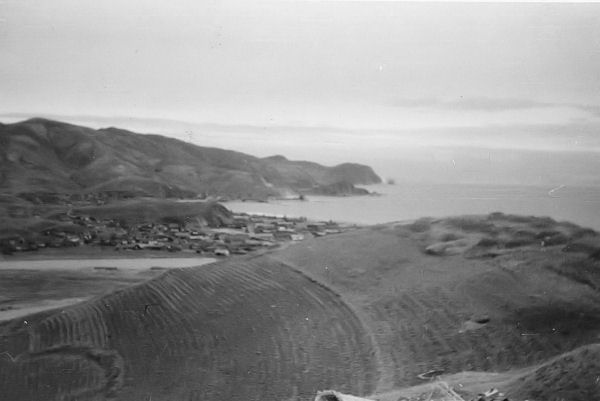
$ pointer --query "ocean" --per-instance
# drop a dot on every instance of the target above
(402, 202)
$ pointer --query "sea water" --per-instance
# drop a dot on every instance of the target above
(402, 202)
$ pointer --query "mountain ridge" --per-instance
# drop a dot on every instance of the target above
(41, 155)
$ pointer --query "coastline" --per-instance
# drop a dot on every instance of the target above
(94, 252)
(411, 201)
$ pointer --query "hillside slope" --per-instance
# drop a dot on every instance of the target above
(569, 376)
(363, 312)
(240, 330)
(40, 155)
(19, 217)
(572, 376)
(515, 304)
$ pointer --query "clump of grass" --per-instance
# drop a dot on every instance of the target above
(546, 234)
(450, 237)
(579, 232)
(488, 242)
(520, 242)
(496, 216)
(421, 225)
(543, 223)
(580, 247)
(551, 238)
(583, 271)
(472, 224)
(514, 218)
(520, 238)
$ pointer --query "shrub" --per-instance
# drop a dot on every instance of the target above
(580, 247)
(543, 223)
(487, 242)
(450, 237)
(421, 225)
(579, 232)
(557, 239)
(519, 242)
(472, 224)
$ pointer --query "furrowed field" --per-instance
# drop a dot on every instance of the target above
(243, 330)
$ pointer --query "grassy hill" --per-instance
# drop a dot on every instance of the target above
(39, 155)
(20, 217)
(513, 300)
(569, 376)
(159, 210)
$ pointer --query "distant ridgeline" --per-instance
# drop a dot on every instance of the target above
(47, 161)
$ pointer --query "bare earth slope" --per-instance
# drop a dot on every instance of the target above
(251, 329)
(569, 376)
(40, 155)
(465, 309)
(514, 300)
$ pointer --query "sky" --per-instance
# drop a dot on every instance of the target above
(308, 78)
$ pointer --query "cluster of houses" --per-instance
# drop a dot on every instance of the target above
(245, 233)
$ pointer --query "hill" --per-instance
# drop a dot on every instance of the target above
(159, 210)
(363, 312)
(569, 376)
(40, 156)
(19, 217)
(238, 330)
(507, 291)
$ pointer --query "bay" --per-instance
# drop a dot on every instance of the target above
(402, 202)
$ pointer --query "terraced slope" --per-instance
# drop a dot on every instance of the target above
(462, 310)
(251, 329)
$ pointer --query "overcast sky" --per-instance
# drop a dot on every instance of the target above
(413, 74)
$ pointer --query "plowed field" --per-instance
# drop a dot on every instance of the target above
(229, 331)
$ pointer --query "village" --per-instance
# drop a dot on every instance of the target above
(245, 233)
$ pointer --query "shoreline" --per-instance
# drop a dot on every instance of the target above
(92, 277)
(121, 265)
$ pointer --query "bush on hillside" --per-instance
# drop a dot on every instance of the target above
(472, 224)
(421, 225)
